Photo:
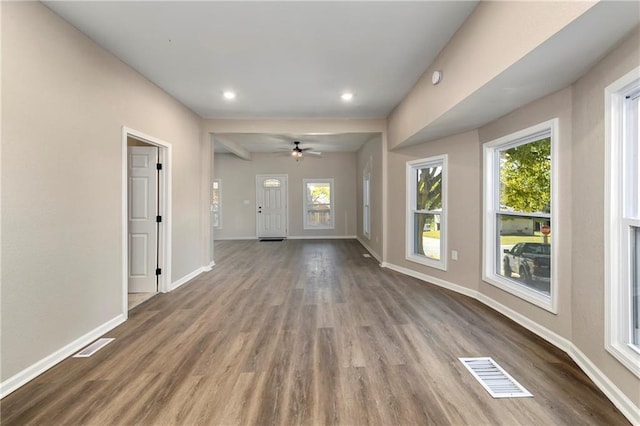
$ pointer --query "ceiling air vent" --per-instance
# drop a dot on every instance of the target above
(494, 379)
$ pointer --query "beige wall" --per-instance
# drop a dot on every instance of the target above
(463, 213)
(494, 37)
(239, 184)
(295, 127)
(588, 203)
(64, 103)
(555, 105)
(369, 160)
(579, 231)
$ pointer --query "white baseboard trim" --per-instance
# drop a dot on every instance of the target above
(188, 277)
(619, 399)
(370, 250)
(321, 237)
(209, 266)
(548, 335)
(296, 237)
(433, 280)
(233, 238)
(615, 395)
(30, 373)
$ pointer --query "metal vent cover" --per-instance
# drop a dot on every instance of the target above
(366, 255)
(494, 379)
(94, 347)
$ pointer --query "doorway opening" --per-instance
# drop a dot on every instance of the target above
(146, 217)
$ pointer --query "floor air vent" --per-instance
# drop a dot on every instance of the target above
(93, 348)
(494, 379)
(366, 255)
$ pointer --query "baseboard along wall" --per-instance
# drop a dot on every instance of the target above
(615, 395)
(33, 371)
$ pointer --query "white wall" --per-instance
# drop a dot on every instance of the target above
(239, 184)
(65, 101)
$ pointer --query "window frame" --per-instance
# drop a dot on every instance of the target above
(366, 205)
(219, 212)
(332, 224)
(491, 210)
(411, 190)
(619, 221)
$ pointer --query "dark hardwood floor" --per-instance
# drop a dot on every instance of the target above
(308, 332)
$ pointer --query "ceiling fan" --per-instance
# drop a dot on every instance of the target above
(297, 152)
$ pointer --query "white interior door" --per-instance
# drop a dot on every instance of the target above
(271, 203)
(142, 211)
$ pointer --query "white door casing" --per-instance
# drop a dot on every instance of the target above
(271, 206)
(142, 211)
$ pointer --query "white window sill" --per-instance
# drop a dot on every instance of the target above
(627, 355)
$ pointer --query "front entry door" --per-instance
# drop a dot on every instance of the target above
(142, 211)
(271, 204)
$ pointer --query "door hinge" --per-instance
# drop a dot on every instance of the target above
(158, 271)
(158, 166)
(158, 219)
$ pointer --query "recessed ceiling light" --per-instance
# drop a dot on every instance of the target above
(229, 95)
(347, 96)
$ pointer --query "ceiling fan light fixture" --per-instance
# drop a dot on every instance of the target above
(229, 95)
(347, 96)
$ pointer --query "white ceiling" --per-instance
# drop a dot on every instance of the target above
(293, 59)
(284, 59)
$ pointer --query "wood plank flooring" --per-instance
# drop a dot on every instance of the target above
(308, 332)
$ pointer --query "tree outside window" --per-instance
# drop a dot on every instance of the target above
(318, 206)
(518, 225)
(426, 230)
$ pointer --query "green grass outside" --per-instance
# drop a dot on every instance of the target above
(504, 239)
(431, 234)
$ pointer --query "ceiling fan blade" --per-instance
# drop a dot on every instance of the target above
(318, 153)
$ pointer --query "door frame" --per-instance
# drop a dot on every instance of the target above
(164, 231)
(286, 199)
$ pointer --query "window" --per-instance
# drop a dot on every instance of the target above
(519, 253)
(426, 211)
(318, 204)
(622, 219)
(272, 183)
(366, 208)
(215, 203)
